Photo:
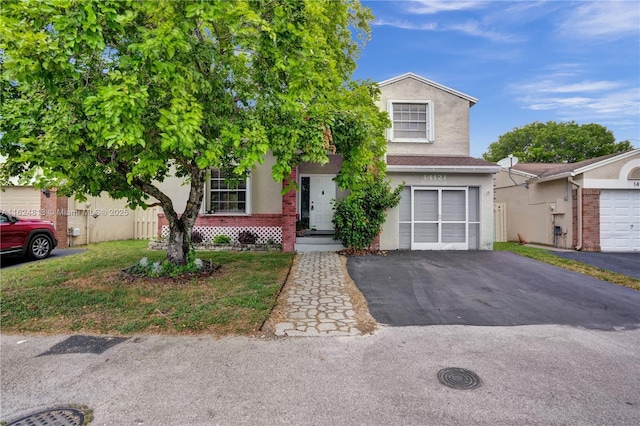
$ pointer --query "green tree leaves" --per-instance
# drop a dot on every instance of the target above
(114, 95)
(554, 142)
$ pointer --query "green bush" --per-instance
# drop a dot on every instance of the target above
(359, 216)
(222, 239)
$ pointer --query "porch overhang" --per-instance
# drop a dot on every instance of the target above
(444, 169)
(439, 164)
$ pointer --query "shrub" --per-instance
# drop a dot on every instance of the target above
(222, 239)
(197, 237)
(359, 216)
(247, 237)
(302, 224)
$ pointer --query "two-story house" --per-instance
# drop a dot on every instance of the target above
(447, 203)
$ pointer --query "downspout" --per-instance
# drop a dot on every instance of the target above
(579, 245)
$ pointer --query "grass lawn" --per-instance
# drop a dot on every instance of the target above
(548, 257)
(88, 293)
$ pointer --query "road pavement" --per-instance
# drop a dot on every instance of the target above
(547, 375)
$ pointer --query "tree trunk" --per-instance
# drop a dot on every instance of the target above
(178, 244)
(180, 228)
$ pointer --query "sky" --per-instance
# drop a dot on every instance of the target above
(524, 61)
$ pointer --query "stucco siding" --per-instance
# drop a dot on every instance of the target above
(266, 197)
(451, 118)
(533, 212)
(390, 239)
(610, 171)
(101, 218)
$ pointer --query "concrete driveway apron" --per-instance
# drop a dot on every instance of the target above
(488, 288)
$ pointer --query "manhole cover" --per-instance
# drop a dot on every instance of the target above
(52, 417)
(459, 378)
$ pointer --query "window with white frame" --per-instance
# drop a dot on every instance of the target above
(412, 121)
(227, 195)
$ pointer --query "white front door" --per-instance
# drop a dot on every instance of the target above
(322, 189)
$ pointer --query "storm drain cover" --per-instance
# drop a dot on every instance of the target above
(52, 417)
(459, 378)
(84, 344)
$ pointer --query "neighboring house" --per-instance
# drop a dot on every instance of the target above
(592, 205)
(77, 223)
(447, 202)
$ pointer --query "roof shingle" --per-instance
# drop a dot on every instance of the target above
(435, 160)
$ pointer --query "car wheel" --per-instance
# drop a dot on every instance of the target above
(40, 247)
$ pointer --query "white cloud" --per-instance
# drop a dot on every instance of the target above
(431, 7)
(476, 29)
(406, 25)
(551, 86)
(621, 105)
(570, 97)
(603, 20)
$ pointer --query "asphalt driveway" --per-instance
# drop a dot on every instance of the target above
(488, 288)
(14, 261)
(622, 263)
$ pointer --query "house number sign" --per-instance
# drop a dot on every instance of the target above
(435, 177)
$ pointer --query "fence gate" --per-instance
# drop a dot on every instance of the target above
(500, 222)
(146, 223)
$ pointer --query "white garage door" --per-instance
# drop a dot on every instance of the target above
(439, 218)
(22, 201)
(620, 220)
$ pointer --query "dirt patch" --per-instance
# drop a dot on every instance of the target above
(207, 269)
(280, 310)
(366, 323)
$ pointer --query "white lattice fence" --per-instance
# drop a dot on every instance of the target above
(265, 234)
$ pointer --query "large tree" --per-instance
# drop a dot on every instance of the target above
(553, 142)
(117, 95)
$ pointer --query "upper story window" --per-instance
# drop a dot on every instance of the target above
(412, 121)
(227, 196)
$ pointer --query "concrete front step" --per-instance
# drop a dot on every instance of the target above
(317, 243)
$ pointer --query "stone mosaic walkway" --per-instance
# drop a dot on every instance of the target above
(317, 303)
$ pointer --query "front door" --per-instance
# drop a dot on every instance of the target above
(322, 190)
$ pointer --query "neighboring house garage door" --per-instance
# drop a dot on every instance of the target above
(22, 201)
(439, 218)
(620, 220)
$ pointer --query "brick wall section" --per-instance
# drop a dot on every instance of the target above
(54, 208)
(286, 220)
(289, 214)
(253, 220)
(574, 217)
(591, 219)
(375, 244)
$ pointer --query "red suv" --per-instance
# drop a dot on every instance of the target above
(26, 237)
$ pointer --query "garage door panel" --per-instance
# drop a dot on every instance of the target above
(21, 201)
(445, 218)
(405, 205)
(425, 232)
(453, 232)
(453, 205)
(425, 205)
(620, 220)
(405, 236)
